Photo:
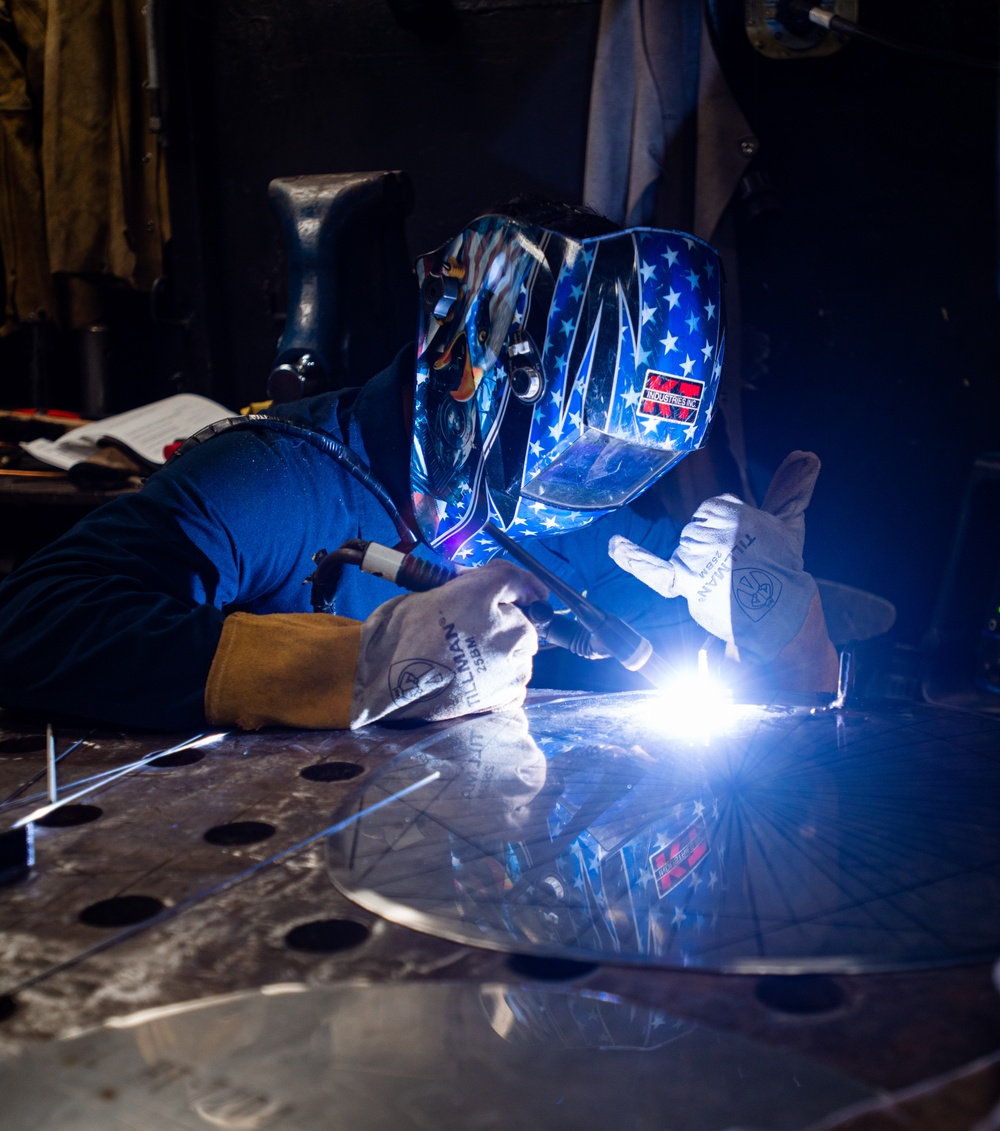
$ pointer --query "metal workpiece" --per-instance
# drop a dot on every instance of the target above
(140, 851)
(202, 957)
(753, 838)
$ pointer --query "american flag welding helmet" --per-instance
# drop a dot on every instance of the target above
(557, 378)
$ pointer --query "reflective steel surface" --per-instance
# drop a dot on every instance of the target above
(755, 838)
(444, 1056)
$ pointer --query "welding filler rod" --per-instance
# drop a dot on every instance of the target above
(50, 757)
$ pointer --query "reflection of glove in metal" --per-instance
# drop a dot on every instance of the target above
(456, 650)
(740, 568)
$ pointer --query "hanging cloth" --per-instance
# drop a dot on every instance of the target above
(84, 187)
(667, 145)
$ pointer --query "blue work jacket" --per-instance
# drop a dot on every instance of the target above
(119, 619)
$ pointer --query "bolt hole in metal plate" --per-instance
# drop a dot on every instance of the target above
(326, 936)
(239, 833)
(780, 838)
(66, 816)
(22, 744)
(178, 758)
(121, 911)
(549, 969)
(332, 771)
(414, 1056)
(800, 995)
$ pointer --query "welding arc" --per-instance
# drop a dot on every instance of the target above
(223, 885)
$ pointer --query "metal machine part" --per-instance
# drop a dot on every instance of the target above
(772, 839)
(292, 380)
(780, 31)
(350, 288)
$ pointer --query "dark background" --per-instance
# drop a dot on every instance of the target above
(867, 250)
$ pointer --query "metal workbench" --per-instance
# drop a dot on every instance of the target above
(187, 951)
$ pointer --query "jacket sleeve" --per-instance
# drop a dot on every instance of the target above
(119, 620)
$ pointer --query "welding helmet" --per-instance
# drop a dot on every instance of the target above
(556, 378)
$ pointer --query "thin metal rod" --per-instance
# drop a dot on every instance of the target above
(845, 677)
(97, 779)
(170, 912)
(12, 797)
(573, 600)
(50, 762)
(609, 634)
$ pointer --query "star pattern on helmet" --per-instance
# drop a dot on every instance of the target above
(657, 396)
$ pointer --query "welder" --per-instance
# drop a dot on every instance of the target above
(562, 366)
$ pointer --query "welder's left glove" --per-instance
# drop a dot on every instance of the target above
(740, 567)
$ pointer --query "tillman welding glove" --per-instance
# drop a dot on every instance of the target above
(740, 568)
(462, 648)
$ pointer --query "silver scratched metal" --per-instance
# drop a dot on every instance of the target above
(893, 1030)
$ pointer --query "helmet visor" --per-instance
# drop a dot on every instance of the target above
(598, 471)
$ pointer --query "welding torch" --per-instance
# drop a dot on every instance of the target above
(591, 632)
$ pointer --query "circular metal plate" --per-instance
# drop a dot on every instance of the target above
(738, 838)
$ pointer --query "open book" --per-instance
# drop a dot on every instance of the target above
(142, 433)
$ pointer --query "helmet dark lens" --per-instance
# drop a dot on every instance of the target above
(597, 472)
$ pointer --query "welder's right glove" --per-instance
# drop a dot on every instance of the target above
(460, 649)
(740, 567)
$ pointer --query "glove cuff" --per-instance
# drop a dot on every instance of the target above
(283, 669)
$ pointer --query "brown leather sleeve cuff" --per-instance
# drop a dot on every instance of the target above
(283, 669)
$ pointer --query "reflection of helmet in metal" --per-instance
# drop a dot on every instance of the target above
(557, 378)
(574, 1021)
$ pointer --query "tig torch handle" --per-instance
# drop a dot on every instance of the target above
(609, 634)
(562, 631)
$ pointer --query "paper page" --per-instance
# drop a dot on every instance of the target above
(146, 430)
